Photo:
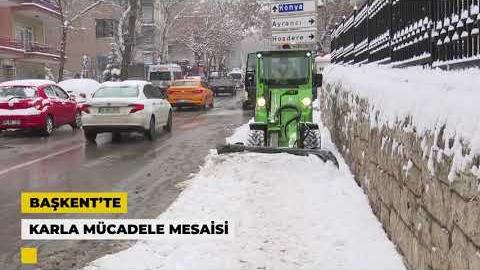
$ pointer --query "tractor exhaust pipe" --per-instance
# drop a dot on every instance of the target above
(239, 148)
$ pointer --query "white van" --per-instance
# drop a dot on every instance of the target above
(164, 75)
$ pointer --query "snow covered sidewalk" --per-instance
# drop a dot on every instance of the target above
(289, 213)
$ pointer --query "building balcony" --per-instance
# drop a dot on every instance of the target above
(9, 3)
(32, 51)
(36, 8)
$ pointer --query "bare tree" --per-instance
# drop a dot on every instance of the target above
(169, 11)
(125, 38)
(214, 27)
(70, 12)
(332, 12)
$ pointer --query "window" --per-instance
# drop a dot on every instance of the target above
(50, 92)
(24, 34)
(149, 91)
(160, 76)
(123, 91)
(152, 92)
(235, 76)
(279, 70)
(17, 92)
(147, 12)
(59, 92)
(178, 75)
(185, 83)
(105, 27)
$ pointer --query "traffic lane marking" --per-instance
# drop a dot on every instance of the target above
(31, 162)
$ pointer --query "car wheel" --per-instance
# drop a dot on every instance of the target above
(49, 126)
(91, 136)
(77, 123)
(151, 131)
(169, 125)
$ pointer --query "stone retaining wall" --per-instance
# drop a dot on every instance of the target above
(434, 222)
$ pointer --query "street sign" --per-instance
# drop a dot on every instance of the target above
(294, 23)
(293, 7)
(294, 37)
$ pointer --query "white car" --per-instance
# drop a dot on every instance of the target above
(125, 107)
(81, 88)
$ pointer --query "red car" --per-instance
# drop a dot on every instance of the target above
(37, 104)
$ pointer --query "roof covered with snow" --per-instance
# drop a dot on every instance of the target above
(33, 83)
(77, 85)
(125, 83)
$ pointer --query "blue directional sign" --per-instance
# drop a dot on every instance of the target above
(293, 7)
(284, 8)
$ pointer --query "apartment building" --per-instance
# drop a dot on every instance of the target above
(26, 51)
(90, 41)
(148, 44)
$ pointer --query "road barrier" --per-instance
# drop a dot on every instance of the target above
(438, 33)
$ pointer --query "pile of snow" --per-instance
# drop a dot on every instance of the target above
(35, 83)
(77, 86)
(432, 98)
(241, 134)
(288, 212)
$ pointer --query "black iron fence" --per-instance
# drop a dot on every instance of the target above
(410, 32)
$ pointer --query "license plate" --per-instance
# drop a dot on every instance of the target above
(183, 101)
(11, 122)
(109, 110)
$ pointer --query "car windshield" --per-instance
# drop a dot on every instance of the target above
(236, 76)
(219, 80)
(126, 91)
(185, 83)
(283, 70)
(7, 92)
(160, 76)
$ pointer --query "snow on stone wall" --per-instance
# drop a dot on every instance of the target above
(443, 103)
(412, 139)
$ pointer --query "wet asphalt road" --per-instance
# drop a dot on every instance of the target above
(149, 171)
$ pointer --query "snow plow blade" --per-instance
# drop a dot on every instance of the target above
(239, 148)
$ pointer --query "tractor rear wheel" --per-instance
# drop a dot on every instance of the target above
(256, 138)
(312, 140)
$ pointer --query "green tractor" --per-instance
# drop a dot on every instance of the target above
(285, 89)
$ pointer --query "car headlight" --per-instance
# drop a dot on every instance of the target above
(306, 102)
(261, 102)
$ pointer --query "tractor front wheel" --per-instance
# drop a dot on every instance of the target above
(256, 138)
(312, 140)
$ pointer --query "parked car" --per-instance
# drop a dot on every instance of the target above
(223, 85)
(81, 88)
(126, 106)
(37, 104)
(236, 74)
(190, 93)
